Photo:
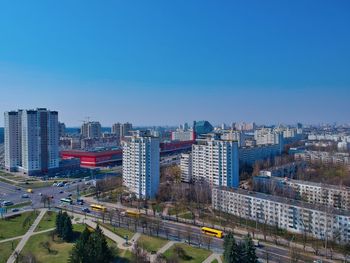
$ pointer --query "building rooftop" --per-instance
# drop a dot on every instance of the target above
(287, 201)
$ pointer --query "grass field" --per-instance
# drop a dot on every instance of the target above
(15, 226)
(59, 249)
(215, 261)
(193, 255)
(122, 232)
(151, 244)
(6, 249)
(47, 222)
(18, 205)
(125, 256)
(36, 184)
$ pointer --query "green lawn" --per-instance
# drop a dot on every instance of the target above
(215, 261)
(187, 215)
(14, 226)
(151, 243)
(36, 184)
(47, 222)
(193, 255)
(18, 205)
(60, 249)
(124, 256)
(122, 232)
(6, 249)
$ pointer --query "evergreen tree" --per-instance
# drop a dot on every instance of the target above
(67, 229)
(59, 224)
(101, 251)
(91, 248)
(249, 255)
(232, 252)
(81, 249)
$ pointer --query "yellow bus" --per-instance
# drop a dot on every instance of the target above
(133, 213)
(212, 232)
(96, 207)
(30, 191)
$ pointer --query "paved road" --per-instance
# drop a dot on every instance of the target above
(25, 238)
(276, 253)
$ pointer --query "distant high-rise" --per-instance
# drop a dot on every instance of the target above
(141, 164)
(31, 141)
(61, 129)
(215, 161)
(125, 129)
(116, 127)
(91, 129)
(202, 127)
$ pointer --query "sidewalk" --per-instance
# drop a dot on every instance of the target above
(25, 238)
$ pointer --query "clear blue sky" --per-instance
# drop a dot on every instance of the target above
(165, 62)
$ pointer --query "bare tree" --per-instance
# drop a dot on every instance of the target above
(46, 245)
(207, 241)
(139, 255)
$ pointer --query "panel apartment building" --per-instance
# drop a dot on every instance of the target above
(215, 161)
(31, 141)
(294, 216)
(311, 192)
(141, 164)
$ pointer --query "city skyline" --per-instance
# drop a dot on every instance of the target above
(268, 63)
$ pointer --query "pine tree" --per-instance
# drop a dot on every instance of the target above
(101, 251)
(67, 229)
(91, 248)
(232, 252)
(81, 249)
(249, 255)
(59, 224)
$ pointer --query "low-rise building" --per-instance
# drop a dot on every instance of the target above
(323, 157)
(318, 221)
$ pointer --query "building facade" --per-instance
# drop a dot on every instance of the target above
(323, 157)
(91, 129)
(215, 161)
(186, 167)
(182, 135)
(141, 164)
(320, 222)
(315, 193)
(31, 141)
(250, 154)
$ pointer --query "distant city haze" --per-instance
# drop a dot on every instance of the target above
(165, 63)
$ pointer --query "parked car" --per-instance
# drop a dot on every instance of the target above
(15, 210)
(25, 196)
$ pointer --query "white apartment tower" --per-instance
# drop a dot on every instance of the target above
(31, 141)
(216, 161)
(141, 164)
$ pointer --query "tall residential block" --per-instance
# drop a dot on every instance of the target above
(125, 129)
(91, 129)
(141, 164)
(216, 161)
(31, 141)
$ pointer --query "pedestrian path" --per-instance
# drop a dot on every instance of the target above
(135, 237)
(25, 237)
(162, 250)
(212, 257)
(117, 239)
